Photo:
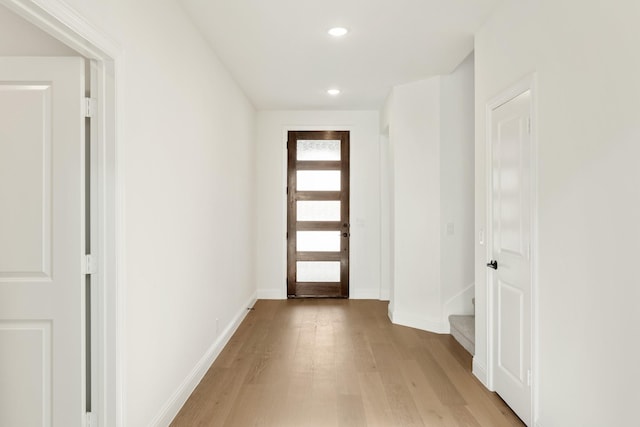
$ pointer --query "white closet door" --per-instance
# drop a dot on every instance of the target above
(511, 244)
(42, 242)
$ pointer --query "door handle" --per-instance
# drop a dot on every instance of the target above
(493, 264)
(345, 234)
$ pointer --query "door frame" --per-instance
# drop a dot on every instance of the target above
(65, 24)
(283, 190)
(343, 224)
(528, 83)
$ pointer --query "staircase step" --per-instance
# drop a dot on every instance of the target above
(463, 329)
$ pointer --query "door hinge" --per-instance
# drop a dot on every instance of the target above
(90, 106)
(90, 264)
(287, 235)
(90, 420)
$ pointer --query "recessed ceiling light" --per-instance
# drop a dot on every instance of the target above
(338, 31)
(333, 92)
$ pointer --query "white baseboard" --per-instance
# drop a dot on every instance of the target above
(180, 396)
(418, 322)
(355, 294)
(480, 372)
(385, 294)
(457, 304)
(272, 294)
(460, 303)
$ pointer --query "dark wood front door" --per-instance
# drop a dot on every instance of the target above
(318, 214)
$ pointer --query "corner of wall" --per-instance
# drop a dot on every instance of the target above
(271, 294)
(385, 114)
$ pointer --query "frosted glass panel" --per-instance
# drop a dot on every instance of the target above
(318, 271)
(318, 149)
(318, 210)
(318, 180)
(318, 241)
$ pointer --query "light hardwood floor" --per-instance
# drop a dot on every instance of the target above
(325, 363)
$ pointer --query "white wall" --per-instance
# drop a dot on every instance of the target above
(271, 167)
(457, 140)
(585, 58)
(429, 168)
(187, 150)
(414, 137)
(21, 38)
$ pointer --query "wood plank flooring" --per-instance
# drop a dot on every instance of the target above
(326, 363)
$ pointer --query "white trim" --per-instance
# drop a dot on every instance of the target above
(284, 201)
(480, 372)
(535, 302)
(97, 390)
(171, 408)
(418, 321)
(414, 320)
(65, 24)
(528, 83)
(385, 295)
(460, 294)
(447, 307)
(488, 247)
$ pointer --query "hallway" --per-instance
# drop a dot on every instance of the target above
(331, 363)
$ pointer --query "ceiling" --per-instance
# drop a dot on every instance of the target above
(279, 51)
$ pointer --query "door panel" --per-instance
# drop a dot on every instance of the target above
(42, 352)
(25, 366)
(318, 214)
(510, 337)
(25, 219)
(511, 237)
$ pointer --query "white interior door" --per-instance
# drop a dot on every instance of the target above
(511, 252)
(42, 242)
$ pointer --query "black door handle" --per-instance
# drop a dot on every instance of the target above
(345, 235)
(493, 264)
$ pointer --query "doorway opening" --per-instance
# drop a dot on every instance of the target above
(65, 24)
